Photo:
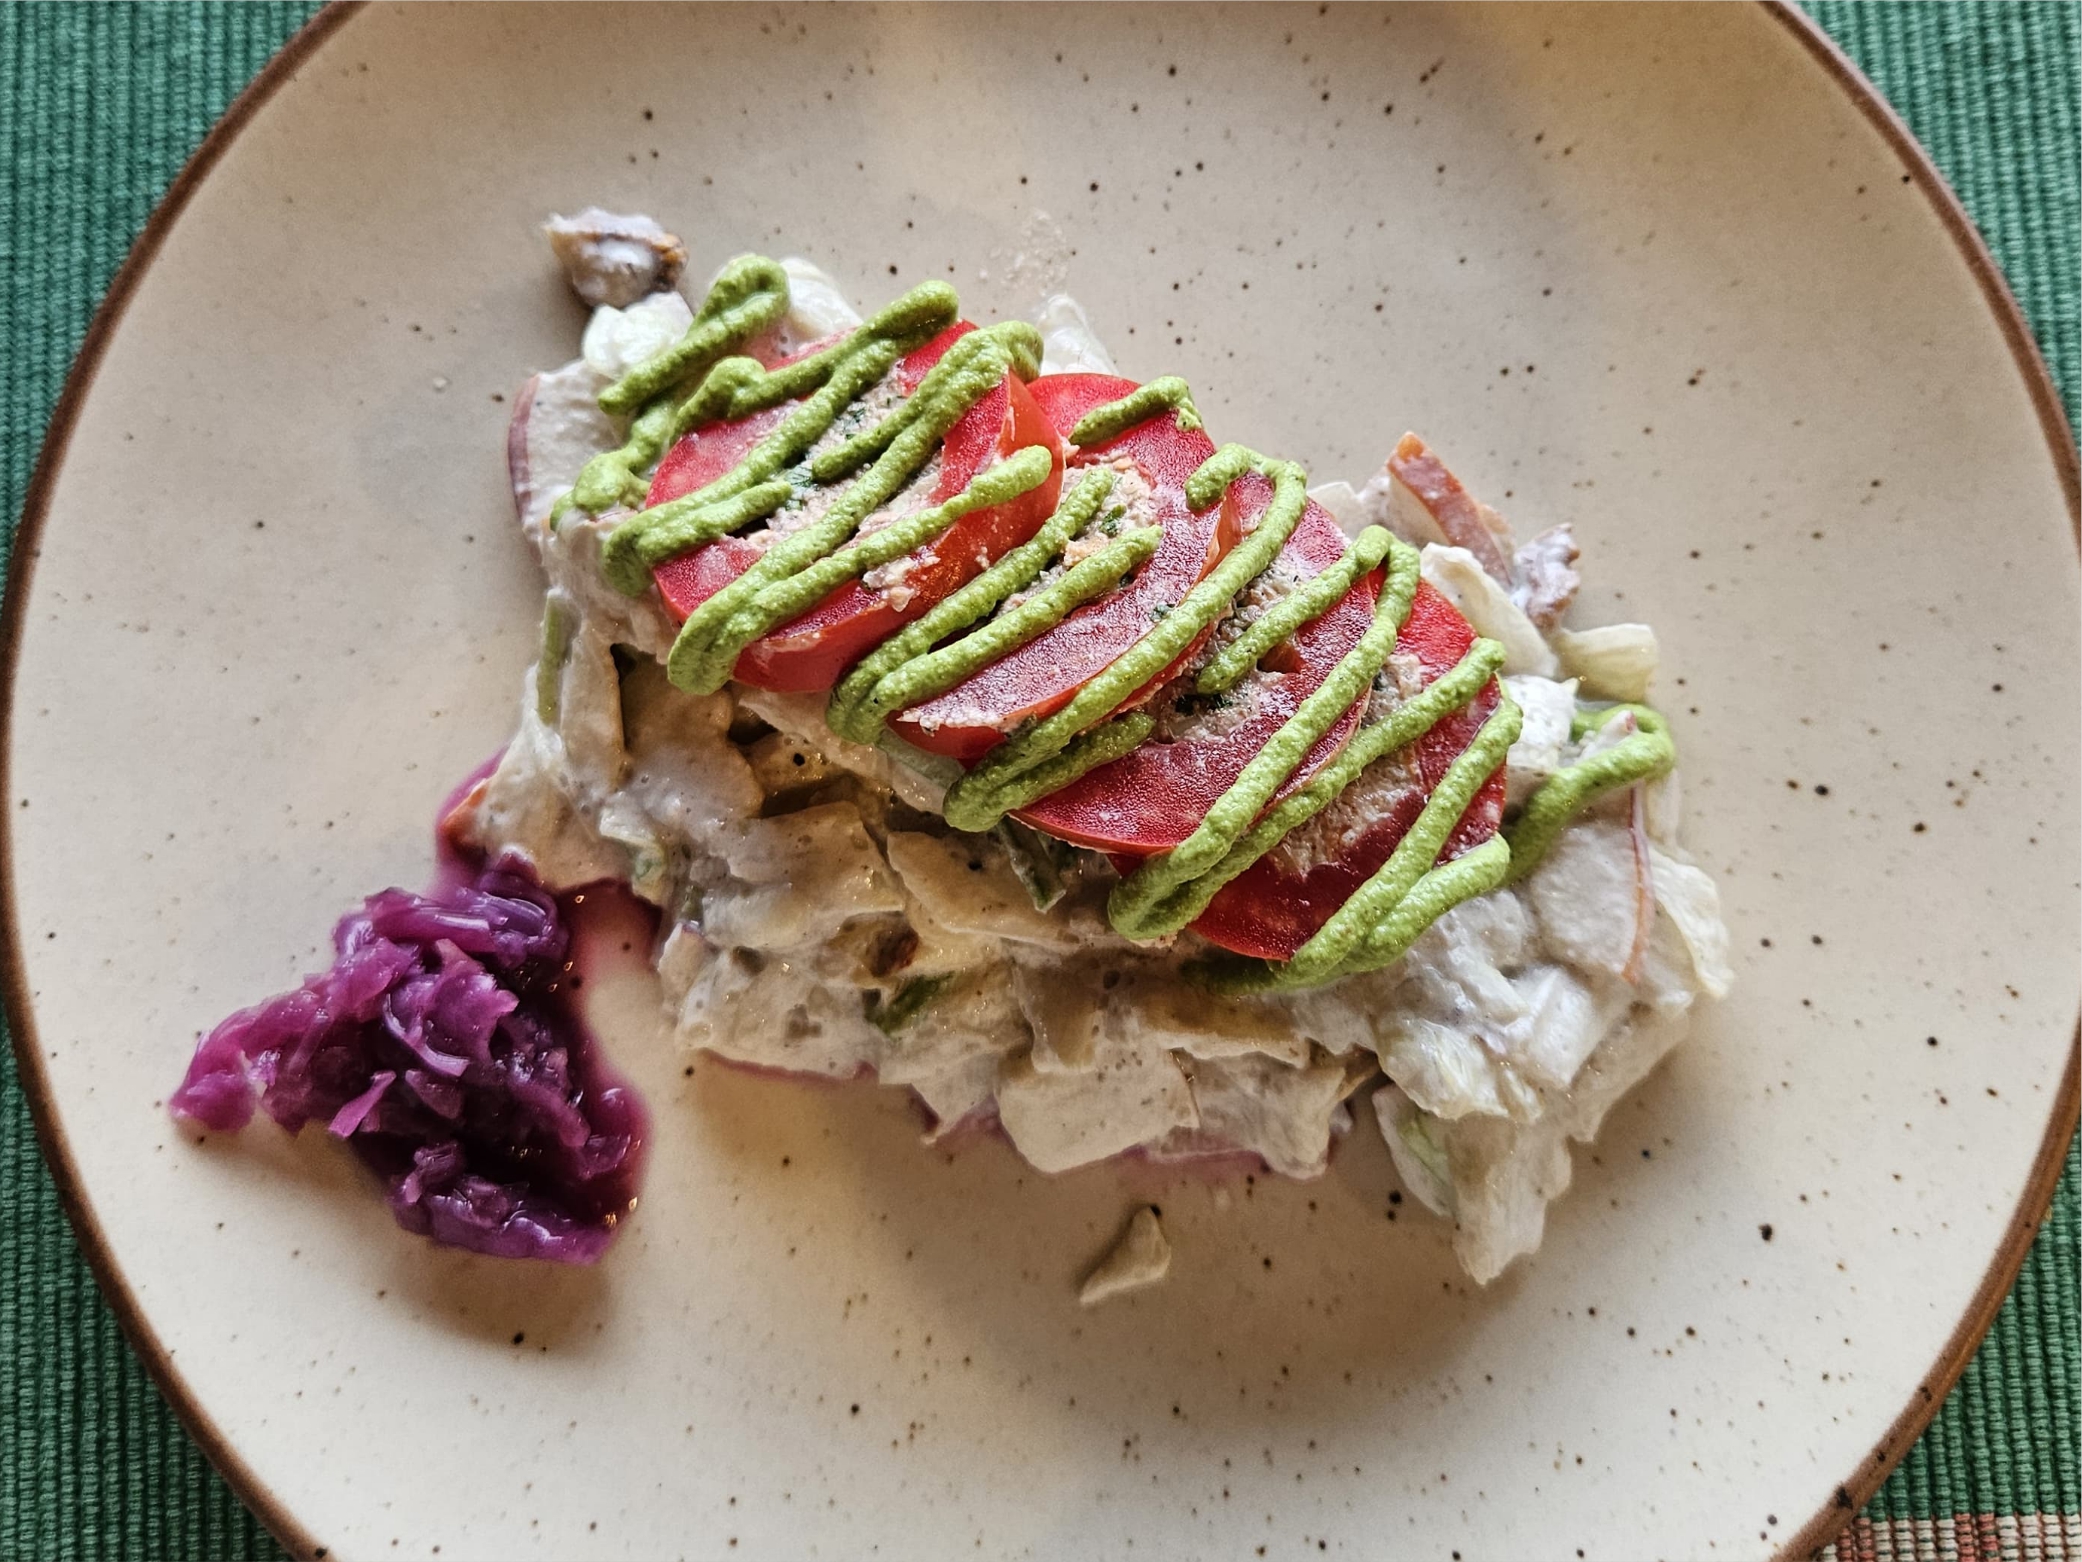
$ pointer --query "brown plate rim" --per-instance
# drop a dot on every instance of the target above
(1851, 1495)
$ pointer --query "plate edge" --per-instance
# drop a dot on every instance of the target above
(1842, 72)
(1852, 1494)
(93, 1244)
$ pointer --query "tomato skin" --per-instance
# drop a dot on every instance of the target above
(1041, 677)
(698, 459)
(695, 460)
(1152, 799)
(1167, 454)
(813, 651)
(1270, 912)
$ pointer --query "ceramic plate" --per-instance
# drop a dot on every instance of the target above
(1659, 272)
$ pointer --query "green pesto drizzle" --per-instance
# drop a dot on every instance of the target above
(1166, 393)
(1640, 756)
(933, 673)
(794, 595)
(1404, 725)
(987, 793)
(1303, 605)
(858, 705)
(676, 527)
(1136, 897)
(827, 382)
(652, 536)
(1373, 928)
(718, 391)
(1343, 945)
(609, 478)
(904, 322)
(938, 671)
(1213, 477)
(716, 631)
(749, 296)
(1474, 872)
(1102, 745)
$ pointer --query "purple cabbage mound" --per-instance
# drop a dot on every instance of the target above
(444, 1048)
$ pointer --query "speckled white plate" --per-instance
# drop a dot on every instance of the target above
(1661, 272)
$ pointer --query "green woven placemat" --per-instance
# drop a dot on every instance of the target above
(99, 106)
(1991, 90)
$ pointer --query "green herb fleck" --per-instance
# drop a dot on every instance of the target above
(894, 1014)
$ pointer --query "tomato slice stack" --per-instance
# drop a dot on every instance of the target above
(812, 651)
(1152, 799)
(1271, 911)
(1042, 676)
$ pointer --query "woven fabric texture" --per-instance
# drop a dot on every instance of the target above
(99, 107)
(1992, 91)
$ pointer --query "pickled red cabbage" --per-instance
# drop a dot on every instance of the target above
(444, 1048)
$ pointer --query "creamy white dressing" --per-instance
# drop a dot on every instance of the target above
(617, 340)
(821, 919)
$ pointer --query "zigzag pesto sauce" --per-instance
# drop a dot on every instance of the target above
(696, 382)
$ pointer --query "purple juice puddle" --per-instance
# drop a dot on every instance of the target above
(448, 1047)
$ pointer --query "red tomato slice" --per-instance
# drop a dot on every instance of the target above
(1271, 912)
(1042, 676)
(1152, 799)
(812, 651)
(695, 461)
